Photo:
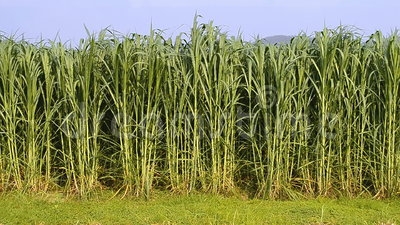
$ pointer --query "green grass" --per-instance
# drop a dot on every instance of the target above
(164, 208)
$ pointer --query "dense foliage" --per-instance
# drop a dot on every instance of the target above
(204, 113)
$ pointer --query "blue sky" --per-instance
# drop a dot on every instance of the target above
(46, 19)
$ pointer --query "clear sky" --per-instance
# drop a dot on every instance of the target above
(46, 19)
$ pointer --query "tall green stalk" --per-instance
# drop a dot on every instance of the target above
(202, 112)
(10, 117)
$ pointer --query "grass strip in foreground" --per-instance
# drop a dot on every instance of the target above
(165, 208)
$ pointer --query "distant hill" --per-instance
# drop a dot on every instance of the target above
(277, 39)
